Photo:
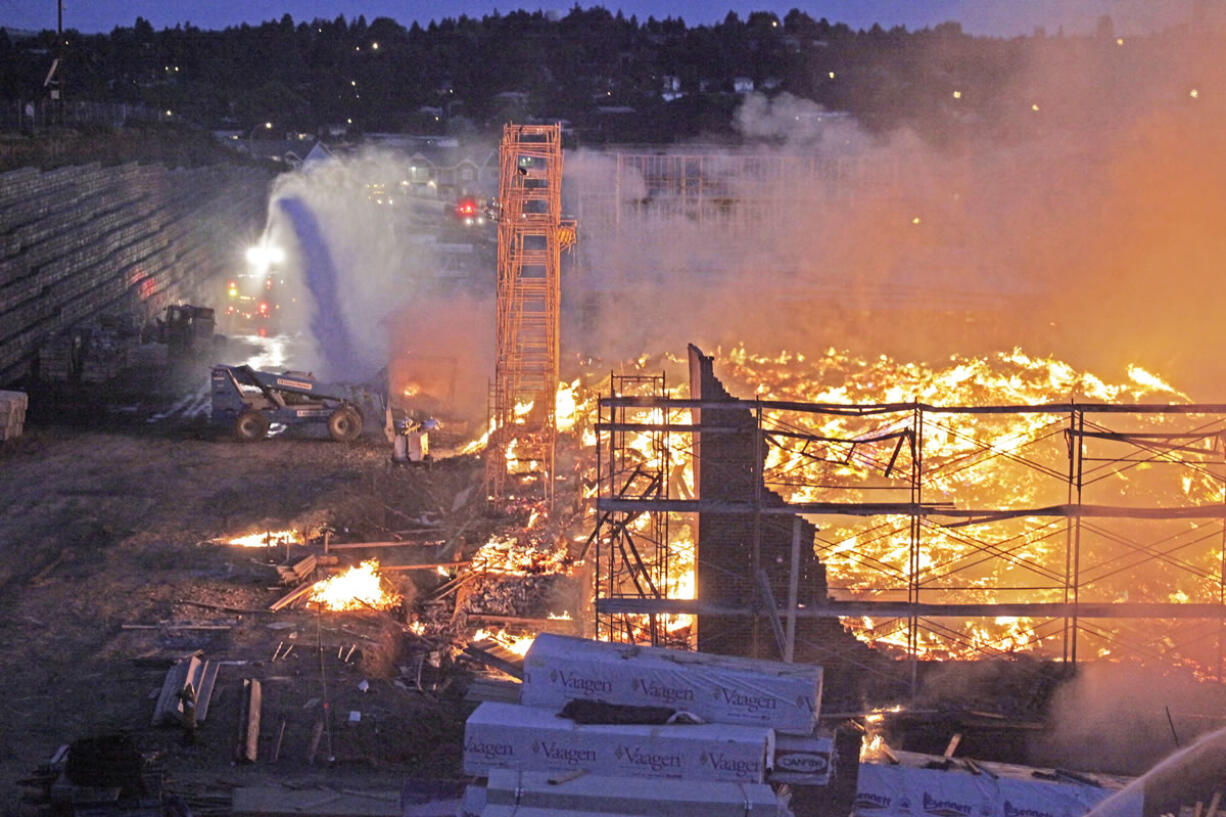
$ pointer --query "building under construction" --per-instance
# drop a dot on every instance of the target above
(1112, 492)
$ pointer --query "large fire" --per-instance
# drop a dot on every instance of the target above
(1007, 460)
(358, 588)
(1013, 459)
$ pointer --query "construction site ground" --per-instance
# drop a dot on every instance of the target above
(108, 526)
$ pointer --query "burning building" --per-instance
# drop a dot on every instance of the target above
(1006, 524)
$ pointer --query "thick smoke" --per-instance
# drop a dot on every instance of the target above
(363, 284)
(1077, 214)
(1132, 716)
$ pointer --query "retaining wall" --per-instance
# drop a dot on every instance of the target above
(81, 241)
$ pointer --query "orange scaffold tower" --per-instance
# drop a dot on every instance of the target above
(531, 237)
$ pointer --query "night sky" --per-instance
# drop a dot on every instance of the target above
(992, 17)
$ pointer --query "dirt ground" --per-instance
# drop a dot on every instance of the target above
(106, 526)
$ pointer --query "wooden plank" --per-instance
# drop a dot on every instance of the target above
(540, 624)
(432, 566)
(789, 646)
(204, 692)
(167, 705)
(772, 610)
(292, 596)
(317, 733)
(484, 656)
(248, 748)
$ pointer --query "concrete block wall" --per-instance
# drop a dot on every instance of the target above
(81, 241)
(725, 470)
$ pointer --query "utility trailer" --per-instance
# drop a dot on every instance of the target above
(249, 401)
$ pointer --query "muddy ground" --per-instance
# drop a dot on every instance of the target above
(107, 525)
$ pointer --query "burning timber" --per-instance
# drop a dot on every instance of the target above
(952, 501)
(393, 681)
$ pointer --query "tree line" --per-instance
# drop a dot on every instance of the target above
(613, 77)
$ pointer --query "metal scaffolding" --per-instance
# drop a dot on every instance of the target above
(633, 549)
(1101, 527)
(729, 189)
(531, 236)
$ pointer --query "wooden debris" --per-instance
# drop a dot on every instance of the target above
(487, 653)
(276, 752)
(248, 747)
(201, 674)
(431, 566)
(493, 689)
(317, 733)
(551, 625)
(1214, 801)
(291, 597)
(299, 571)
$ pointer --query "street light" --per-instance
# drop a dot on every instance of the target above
(251, 136)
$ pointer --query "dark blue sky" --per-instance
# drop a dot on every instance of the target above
(994, 17)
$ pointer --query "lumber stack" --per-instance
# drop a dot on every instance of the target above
(605, 728)
(13, 405)
(201, 674)
(299, 571)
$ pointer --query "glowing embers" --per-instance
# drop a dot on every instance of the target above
(509, 556)
(267, 539)
(517, 644)
(358, 588)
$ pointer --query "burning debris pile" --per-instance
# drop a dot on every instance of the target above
(1005, 459)
(515, 576)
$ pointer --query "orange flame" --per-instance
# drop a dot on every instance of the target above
(267, 539)
(358, 588)
(517, 644)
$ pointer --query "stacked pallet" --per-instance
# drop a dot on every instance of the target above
(13, 406)
(94, 352)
